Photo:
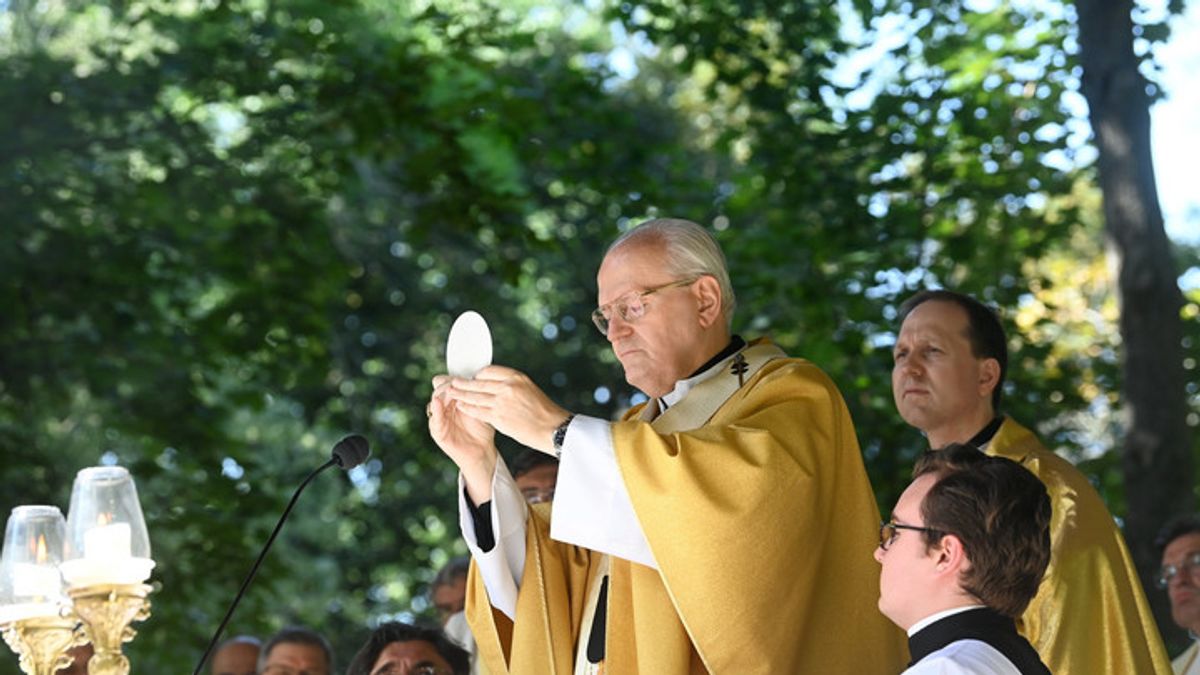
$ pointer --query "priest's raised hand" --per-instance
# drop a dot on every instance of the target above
(465, 439)
(510, 402)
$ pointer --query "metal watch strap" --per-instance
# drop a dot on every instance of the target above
(560, 434)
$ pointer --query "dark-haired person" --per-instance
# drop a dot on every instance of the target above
(1090, 616)
(296, 651)
(536, 475)
(402, 649)
(1179, 576)
(961, 558)
(237, 656)
(448, 592)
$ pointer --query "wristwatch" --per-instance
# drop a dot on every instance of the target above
(560, 434)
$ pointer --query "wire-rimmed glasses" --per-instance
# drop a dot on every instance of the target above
(1190, 566)
(630, 307)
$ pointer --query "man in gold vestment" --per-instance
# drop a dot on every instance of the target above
(723, 527)
(1090, 616)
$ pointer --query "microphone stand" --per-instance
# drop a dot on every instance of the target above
(254, 570)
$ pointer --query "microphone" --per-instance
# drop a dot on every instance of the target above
(350, 452)
(347, 454)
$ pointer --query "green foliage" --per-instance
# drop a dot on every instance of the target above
(931, 165)
(234, 229)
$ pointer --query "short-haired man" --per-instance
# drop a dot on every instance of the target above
(536, 475)
(237, 656)
(449, 588)
(1090, 616)
(1179, 544)
(716, 528)
(402, 649)
(961, 558)
(296, 651)
(449, 592)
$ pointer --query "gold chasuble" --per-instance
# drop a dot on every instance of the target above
(755, 503)
(1090, 616)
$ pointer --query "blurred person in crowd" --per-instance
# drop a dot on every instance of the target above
(236, 656)
(296, 651)
(402, 649)
(535, 474)
(1179, 576)
(448, 592)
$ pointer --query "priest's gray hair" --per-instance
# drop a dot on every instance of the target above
(690, 252)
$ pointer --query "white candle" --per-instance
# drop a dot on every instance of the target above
(108, 542)
(28, 610)
(30, 580)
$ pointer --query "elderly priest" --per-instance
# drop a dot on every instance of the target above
(721, 527)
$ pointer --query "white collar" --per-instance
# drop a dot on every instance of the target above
(918, 626)
(682, 387)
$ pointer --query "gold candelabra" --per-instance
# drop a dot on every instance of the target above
(107, 612)
(100, 557)
(42, 642)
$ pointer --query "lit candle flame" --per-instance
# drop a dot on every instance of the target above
(104, 518)
(42, 555)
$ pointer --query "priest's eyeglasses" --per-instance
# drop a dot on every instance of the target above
(630, 307)
(1190, 566)
(889, 530)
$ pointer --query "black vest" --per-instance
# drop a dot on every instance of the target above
(983, 624)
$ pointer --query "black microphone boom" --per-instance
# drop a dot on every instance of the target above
(347, 453)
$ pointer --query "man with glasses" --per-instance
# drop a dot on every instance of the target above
(296, 651)
(402, 649)
(448, 591)
(1091, 616)
(536, 475)
(961, 558)
(1179, 543)
(717, 528)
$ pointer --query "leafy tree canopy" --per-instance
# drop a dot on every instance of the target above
(236, 229)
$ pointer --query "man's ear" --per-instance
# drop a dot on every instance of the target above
(707, 292)
(951, 556)
(989, 377)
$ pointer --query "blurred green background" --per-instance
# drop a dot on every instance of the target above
(233, 231)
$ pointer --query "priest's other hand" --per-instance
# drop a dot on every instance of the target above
(470, 442)
(511, 403)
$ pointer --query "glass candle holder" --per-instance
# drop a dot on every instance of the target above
(106, 542)
(30, 584)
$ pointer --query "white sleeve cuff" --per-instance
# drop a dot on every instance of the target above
(592, 508)
(502, 567)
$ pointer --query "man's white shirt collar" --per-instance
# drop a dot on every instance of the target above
(682, 387)
(916, 627)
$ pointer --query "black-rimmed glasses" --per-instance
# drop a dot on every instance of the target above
(1190, 566)
(889, 530)
(630, 307)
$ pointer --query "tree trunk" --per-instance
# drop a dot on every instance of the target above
(1156, 455)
